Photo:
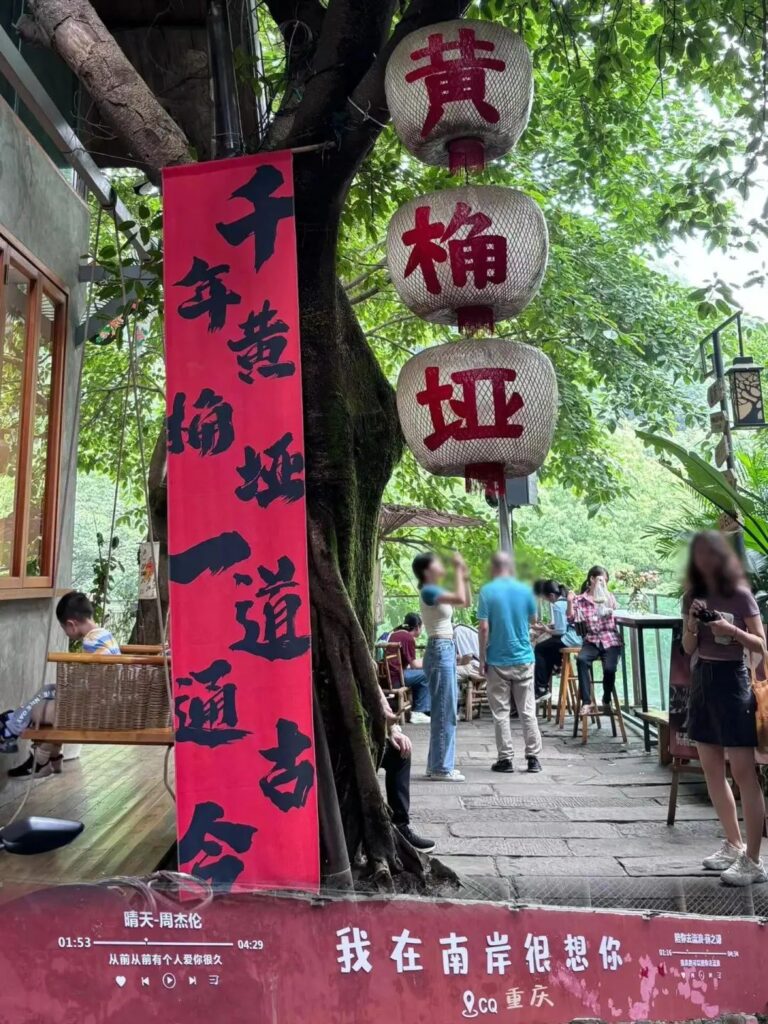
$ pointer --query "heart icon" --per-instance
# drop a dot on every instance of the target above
(120, 981)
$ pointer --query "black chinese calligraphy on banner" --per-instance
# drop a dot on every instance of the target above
(240, 627)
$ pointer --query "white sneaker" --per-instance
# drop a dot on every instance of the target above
(744, 871)
(419, 718)
(724, 857)
(453, 776)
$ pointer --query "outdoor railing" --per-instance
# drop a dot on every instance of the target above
(656, 645)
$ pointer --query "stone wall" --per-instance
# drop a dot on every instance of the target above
(41, 209)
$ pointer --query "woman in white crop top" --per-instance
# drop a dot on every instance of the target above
(436, 607)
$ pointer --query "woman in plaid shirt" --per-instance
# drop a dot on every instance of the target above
(592, 611)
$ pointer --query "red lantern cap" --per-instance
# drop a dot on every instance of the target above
(466, 155)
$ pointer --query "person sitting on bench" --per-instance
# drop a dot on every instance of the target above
(75, 614)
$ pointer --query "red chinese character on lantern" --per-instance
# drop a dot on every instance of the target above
(461, 78)
(478, 254)
(467, 425)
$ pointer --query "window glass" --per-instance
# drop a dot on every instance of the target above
(16, 293)
(41, 410)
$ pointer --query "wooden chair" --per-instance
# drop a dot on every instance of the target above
(474, 698)
(120, 699)
(569, 689)
(683, 756)
(389, 664)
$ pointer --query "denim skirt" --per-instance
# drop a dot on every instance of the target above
(721, 706)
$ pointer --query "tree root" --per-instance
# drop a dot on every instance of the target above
(352, 673)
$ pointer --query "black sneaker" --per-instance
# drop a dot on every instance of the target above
(606, 708)
(421, 843)
(504, 764)
(23, 769)
(534, 764)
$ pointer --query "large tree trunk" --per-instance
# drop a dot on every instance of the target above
(352, 442)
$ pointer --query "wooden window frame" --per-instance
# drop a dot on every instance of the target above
(42, 282)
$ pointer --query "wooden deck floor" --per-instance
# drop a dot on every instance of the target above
(118, 793)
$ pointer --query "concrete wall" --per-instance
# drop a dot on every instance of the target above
(40, 208)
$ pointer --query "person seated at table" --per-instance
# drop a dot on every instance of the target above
(467, 643)
(413, 673)
(75, 614)
(396, 762)
(592, 613)
(556, 635)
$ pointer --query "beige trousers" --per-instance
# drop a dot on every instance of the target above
(505, 684)
(43, 715)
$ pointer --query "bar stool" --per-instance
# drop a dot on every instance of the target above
(613, 713)
(568, 694)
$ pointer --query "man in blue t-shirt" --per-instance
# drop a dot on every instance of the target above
(505, 609)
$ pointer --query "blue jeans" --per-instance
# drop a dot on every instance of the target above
(440, 670)
(415, 678)
(19, 720)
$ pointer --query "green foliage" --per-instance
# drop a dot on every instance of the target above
(721, 503)
(93, 517)
(614, 535)
(648, 124)
(749, 507)
(110, 417)
(105, 566)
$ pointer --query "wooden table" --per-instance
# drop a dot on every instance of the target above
(637, 623)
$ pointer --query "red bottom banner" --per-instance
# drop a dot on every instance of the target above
(91, 955)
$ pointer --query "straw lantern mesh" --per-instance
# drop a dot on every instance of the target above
(534, 384)
(499, 266)
(459, 90)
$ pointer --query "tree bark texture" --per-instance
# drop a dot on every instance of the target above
(335, 96)
(74, 31)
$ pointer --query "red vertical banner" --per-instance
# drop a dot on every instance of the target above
(237, 535)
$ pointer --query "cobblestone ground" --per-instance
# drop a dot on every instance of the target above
(589, 830)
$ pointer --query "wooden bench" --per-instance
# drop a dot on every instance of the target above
(659, 718)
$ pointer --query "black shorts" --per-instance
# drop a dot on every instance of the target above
(721, 707)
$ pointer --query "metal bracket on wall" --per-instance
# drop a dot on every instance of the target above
(23, 80)
(103, 314)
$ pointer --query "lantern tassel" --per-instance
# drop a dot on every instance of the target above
(473, 319)
(466, 155)
(487, 477)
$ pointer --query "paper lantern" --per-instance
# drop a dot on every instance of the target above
(468, 256)
(482, 409)
(459, 92)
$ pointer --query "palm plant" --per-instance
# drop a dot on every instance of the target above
(716, 503)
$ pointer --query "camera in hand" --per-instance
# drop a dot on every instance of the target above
(705, 615)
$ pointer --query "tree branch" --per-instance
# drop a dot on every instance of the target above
(369, 96)
(286, 13)
(369, 293)
(73, 30)
(354, 32)
(356, 281)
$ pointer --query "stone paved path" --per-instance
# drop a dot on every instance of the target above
(589, 830)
